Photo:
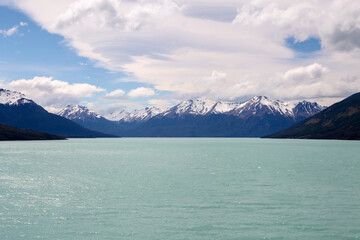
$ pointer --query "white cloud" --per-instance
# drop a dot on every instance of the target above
(217, 77)
(309, 73)
(116, 107)
(9, 32)
(54, 110)
(118, 94)
(52, 93)
(13, 30)
(160, 103)
(141, 92)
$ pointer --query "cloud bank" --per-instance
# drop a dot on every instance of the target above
(52, 93)
(225, 50)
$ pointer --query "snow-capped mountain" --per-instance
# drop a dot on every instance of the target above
(223, 107)
(137, 115)
(201, 117)
(256, 117)
(261, 105)
(206, 118)
(195, 107)
(13, 98)
(307, 109)
(256, 106)
(89, 119)
(115, 123)
(142, 114)
(23, 113)
(77, 112)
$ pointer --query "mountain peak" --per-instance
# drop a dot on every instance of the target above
(260, 105)
(75, 111)
(142, 114)
(12, 97)
(259, 98)
(263, 100)
(198, 107)
(306, 108)
(137, 115)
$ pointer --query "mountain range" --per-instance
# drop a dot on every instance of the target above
(256, 117)
(23, 119)
(339, 121)
(198, 118)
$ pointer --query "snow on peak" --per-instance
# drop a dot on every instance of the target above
(116, 115)
(142, 114)
(259, 99)
(12, 97)
(263, 104)
(196, 107)
(224, 107)
(77, 112)
(259, 106)
(256, 105)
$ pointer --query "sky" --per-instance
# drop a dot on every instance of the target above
(114, 54)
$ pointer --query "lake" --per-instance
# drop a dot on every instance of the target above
(180, 188)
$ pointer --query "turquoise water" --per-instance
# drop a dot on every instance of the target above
(180, 189)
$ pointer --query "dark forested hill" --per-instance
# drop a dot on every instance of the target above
(10, 133)
(339, 121)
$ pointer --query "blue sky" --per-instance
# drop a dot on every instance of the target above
(33, 51)
(307, 47)
(109, 54)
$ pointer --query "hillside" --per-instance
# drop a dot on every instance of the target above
(8, 133)
(339, 121)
